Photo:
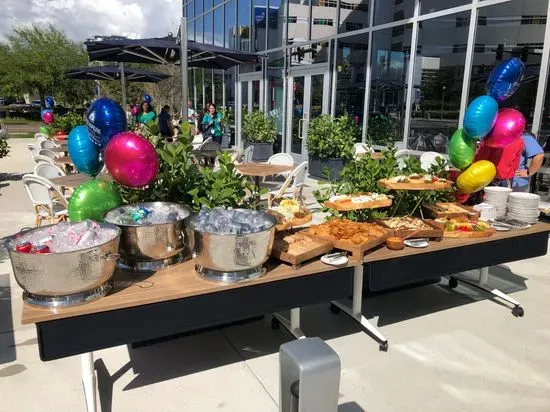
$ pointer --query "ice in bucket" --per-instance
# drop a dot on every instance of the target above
(230, 221)
(139, 215)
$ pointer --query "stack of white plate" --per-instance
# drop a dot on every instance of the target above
(524, 207)
(498, 197)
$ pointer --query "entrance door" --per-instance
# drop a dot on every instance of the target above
(250, 95)
(308, 99)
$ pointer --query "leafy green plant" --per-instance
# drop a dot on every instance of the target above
(65, 123)
(381, 130)
(4, 148)
(257, 128)
(330, 137)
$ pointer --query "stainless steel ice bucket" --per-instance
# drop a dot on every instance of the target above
(230, 253)
(66, 278)
(155, 242)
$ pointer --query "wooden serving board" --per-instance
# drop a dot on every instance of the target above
(437, 212)
(319, 246)
(294, 222)
(415, 186)
(359, 250)
(434, 233)
(349, 205)
(460, 235)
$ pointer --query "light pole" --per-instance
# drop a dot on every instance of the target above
(442, 101)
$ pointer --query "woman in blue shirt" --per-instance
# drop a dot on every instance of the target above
(211, 124)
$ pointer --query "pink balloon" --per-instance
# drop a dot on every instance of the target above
(48, 117)
(135, 109)
(131, 160)
(509, 126)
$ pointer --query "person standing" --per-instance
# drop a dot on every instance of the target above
(166, 127)
(211, 124)
(146, 113)
(533, 152)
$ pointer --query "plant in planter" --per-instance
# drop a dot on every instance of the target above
(330, 145)
(259, 131)
(65, 123)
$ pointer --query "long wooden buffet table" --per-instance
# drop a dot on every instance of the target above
(175, 300)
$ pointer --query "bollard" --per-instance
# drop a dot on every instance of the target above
(309, 376)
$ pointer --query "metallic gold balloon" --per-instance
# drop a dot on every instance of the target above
(476, 177)
(92, 199)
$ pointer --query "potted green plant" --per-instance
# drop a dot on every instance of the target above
(259, 131)
(330, 145)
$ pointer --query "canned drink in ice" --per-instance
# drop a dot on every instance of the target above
(41, 249)
(24, 247)
(88, 237)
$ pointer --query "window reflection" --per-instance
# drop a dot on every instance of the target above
(386, 11)
(354, 15)
(209, 28)
(298, 21)
(276, 23)
(218, 27)
(199, 30)
(324, 18)
(230, 29)
(430, 6)
(260, 24)
(243, 21)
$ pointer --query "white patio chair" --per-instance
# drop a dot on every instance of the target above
(361, 149)
(48, 170)
(401, 156)
(44, 159)
(293, 185)
(41, 192)
(429, 158)
(248, 154)
(34, 150)
(48, 153)
(283, 159)
(48, 144)
(39, 138)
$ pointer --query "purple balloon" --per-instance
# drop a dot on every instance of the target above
(131, 160)
(508, 127)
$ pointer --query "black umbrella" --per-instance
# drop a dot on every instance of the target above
(114, 73)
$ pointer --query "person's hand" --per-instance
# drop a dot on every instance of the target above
(522, 173)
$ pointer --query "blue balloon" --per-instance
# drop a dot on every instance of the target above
(147, 98)
(49, 102)
(83, 152)
(45, 111)
(505, 79)
(480, 117)
(104, 119)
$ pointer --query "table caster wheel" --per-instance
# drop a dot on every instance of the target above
(334, 309)
(518, 311)
(453, 283)
(383, 346)
(275, 324)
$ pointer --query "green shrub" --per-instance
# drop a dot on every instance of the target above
(330, 137)
(257, 128)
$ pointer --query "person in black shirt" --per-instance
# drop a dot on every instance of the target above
(165, 124)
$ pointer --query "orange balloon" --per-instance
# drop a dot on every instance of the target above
(476, 177)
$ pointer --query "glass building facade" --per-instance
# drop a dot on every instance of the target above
(405, 70)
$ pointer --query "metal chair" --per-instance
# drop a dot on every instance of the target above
(429, 158)
(42, 192)
(34, 150)
(40, 137)
(361, 149)
(293, 185)
(281, 159)
(44, 159)
(48, 153)
(48, 170)
(48, 144)
(248, 154)
(401, 155)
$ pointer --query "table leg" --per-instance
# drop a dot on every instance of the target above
(89, 381)
(354, 311)
(482, 283)
(292, 325)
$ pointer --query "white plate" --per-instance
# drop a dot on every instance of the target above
(416, 243)
(524, 196)
(335, 262)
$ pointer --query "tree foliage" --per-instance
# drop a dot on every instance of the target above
(35, 59)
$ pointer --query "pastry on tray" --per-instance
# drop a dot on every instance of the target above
(298, 247)
(451, 210)
(358, 201)
(346, 231)
(415, 181)
(289, 213)
(406, 223)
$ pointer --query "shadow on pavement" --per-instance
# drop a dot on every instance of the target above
(11, 177)
(350, 407)
(7, 350)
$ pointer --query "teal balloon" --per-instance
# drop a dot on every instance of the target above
(84, 152)
(92, 199)
(462, 150)
(480, 117)
(44, 129)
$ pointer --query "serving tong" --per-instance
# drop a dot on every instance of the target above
(508, 223)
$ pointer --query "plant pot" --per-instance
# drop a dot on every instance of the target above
(334, 165)
(262, 151)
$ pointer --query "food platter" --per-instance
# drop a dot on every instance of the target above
(358, 201)
(353, 237)
(474, 228)
(289, 213)
(415, 182)
(451, 210)
(298, 221)
(407, 227)
(296, 247)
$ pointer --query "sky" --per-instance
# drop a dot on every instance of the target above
(82, 19)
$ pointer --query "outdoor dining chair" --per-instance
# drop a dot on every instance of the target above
(429, 158)
(48, 144)
(43, 159)
(34, 150)
(42, 193)
(281, 159)
(361, 149)
(248, 154)
(39, 138)
(48, 170)
(48, 153)
(401, 156)
(293, 185)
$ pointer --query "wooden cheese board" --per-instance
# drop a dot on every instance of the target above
(294, 222)
(441, 210)
(441, 185)
(433, 232)
(348, 206)
(357, 250)
(310, 248)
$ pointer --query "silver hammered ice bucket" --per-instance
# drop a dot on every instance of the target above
(230, 258)
(65, 278)
(154, 246)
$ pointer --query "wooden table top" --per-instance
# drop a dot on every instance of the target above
(132, 289)
(75, 179)
(64, 160)
(263, 169)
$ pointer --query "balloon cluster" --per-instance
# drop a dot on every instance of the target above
(130, 159)
(47, 114)
(484, 120)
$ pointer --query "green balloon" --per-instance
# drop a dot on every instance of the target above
(462, 150)
(44, 129)
(92, 199)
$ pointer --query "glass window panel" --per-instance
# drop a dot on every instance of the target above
(218, 88)
(191, 30)
(216, 2)
(209, 28)
(189, 10)
(386, 11)
(198, 90)
(260, 24)
(199, 30)
(351, 59)
(504, 35)
(243, 21)
(230, 29)
(276, 23)
(275, 96)
(437, 87)
(310, 53)
(324, 18)
(297, 113)
(198, 7)
(354, 14)
(208, 86)
(430, 6)
(389, 62)
(208, 4)
(218, 27)
(298, 21)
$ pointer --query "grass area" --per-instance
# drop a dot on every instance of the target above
(21, 135)
(21, 121)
